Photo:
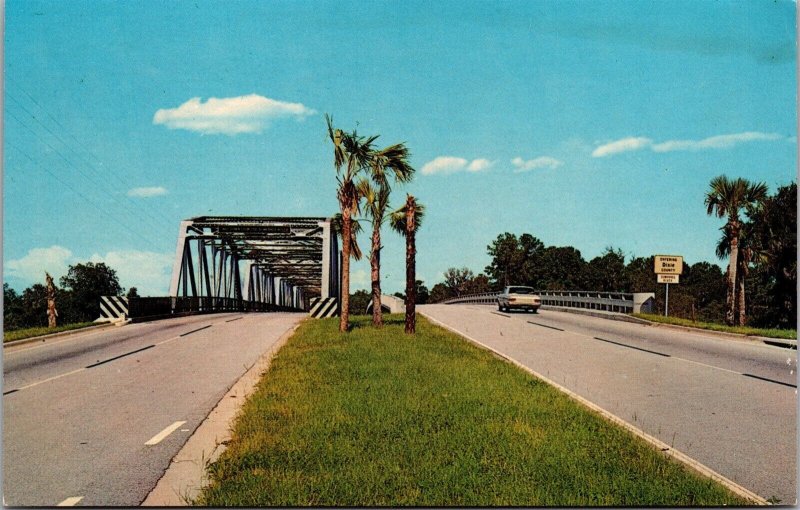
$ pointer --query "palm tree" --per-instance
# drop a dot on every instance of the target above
(391, 160)
(351, 154)
(726, 198)
(407, 221)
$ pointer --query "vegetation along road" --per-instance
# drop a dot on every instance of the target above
(731, 405)
(96, 419)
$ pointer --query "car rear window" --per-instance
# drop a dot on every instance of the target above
(520, 290)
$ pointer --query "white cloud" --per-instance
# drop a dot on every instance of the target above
(451, 164)
(149, 272)
(480, 164)
(146, 192)
(715, 142)
(712, 142)
(532, 164)
(624, 145)
(229, 115)
(31, 268)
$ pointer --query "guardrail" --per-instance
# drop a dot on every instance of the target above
(141, 307)
(620, 302)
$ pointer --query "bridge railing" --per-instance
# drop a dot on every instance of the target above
(165, 306)
(620, 302)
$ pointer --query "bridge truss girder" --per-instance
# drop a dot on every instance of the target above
(281, 261)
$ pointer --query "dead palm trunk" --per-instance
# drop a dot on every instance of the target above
(52, 313)
(411, 276)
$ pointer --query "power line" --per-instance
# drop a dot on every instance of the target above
(87, 199)
(70, 164)
(98, 174)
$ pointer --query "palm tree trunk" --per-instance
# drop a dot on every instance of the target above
(742, 315)
(411, 277)
(344, 310)
(375, 261)
(730, 301)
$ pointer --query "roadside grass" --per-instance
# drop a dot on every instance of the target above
(20, 334)
(789, 334)
(379, 418)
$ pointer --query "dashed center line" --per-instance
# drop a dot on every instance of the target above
(501, 314)
(545, 326)
(164, 433)
(70, 501)
(632, 347)
(196, 330)
(120, 356)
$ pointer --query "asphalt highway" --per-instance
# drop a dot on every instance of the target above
(95, 419)
(729, 404)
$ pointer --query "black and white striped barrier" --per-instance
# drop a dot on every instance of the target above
(113, 309)
(324, 307)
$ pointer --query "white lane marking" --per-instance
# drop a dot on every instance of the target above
(31, 385)
(703, 364)
(168, 340)
(70, 501)
(164, 433)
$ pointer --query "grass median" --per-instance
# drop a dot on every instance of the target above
(786, 334)
(379, 418)
(20, 334)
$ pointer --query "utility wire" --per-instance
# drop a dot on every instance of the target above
(98, 173)
(87, 199)
(69, 163)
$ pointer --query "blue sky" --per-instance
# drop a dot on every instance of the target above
(589, 124)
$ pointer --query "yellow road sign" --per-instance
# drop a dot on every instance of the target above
(668, 264)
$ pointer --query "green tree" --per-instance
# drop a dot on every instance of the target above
(607, 272)
(407, 220)
(726, 198)
(456, 279)
(562, 268)
(775, 230)
(133, 292)
(508, 258)
(359, 301)
(86, 283)
(440, 292)
(639, 275)
(13, 311)
(351, 155)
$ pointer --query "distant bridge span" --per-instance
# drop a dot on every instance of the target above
(290, 262)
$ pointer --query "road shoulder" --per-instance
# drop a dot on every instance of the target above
(186, 474)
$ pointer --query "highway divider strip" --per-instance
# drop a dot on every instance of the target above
(653, 441)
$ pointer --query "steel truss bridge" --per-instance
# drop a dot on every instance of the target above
(260, 262)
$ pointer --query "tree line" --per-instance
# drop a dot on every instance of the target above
(77, 297)
(758, 288)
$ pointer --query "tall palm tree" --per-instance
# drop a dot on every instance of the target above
(407, 221)
(351, 154)
(726, 198)
(391, 161)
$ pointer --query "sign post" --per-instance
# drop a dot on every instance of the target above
(668, 269)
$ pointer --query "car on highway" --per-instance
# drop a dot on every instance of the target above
(518, 297)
